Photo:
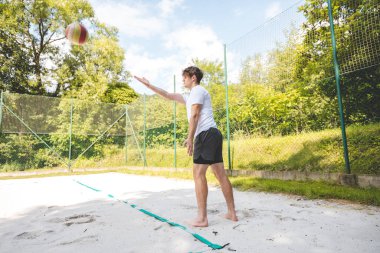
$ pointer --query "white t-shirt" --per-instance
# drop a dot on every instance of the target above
(199, 95)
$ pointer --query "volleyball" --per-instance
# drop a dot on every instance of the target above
(76, 33)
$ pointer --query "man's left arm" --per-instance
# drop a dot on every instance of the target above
(195, 114)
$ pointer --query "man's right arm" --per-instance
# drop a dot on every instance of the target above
(172, 96)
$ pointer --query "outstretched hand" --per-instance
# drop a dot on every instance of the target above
(142, 80)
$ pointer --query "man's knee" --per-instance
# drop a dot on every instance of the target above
(218, 169)
(199, 171)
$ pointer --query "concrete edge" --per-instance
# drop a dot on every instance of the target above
(341, 178)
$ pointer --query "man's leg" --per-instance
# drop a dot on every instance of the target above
(201, 191)
(225, 184)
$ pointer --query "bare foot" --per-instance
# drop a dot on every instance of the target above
(231, 216)
(199, 223)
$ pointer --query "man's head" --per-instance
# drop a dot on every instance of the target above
(192, 74)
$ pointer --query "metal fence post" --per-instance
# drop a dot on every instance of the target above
(70, 131)
(144, 130)
(1, 109)
(126, 134)
(337, 79)
(227, 113)
(175, 129)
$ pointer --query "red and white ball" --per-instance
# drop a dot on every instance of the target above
(76, 33)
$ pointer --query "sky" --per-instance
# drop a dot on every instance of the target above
(161, 37)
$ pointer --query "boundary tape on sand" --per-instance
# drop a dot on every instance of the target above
(173, 224)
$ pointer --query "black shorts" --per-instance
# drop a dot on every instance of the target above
(208, 147)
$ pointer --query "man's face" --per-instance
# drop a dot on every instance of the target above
(188, 81)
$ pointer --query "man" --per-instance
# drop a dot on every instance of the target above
(207, 147)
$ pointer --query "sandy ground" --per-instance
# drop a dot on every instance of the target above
(57, 214)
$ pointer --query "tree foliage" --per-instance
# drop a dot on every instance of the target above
(35, 57)
(357, 26)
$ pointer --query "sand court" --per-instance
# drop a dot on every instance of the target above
(115, 212)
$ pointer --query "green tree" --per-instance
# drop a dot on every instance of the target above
(96, 71)
(282, 61)
(213, 73)
(253, 71)
(34, 29)
(15, 59)
(35, 57)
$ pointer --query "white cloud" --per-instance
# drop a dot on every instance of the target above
(273, 10)
(168, 6)
(195, 41)
(187, 43)
(134, 21)
(158, 70)
(180, 45)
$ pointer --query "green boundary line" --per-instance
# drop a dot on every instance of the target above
(197, 236)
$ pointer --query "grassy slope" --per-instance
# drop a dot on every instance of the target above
(316, 152)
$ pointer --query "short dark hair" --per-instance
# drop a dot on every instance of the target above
(191, 71)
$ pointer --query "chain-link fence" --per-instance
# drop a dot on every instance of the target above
(283, 88)
(40, 131)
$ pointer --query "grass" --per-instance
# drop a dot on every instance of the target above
(306, 189)
(310, 189)
(309, 152)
